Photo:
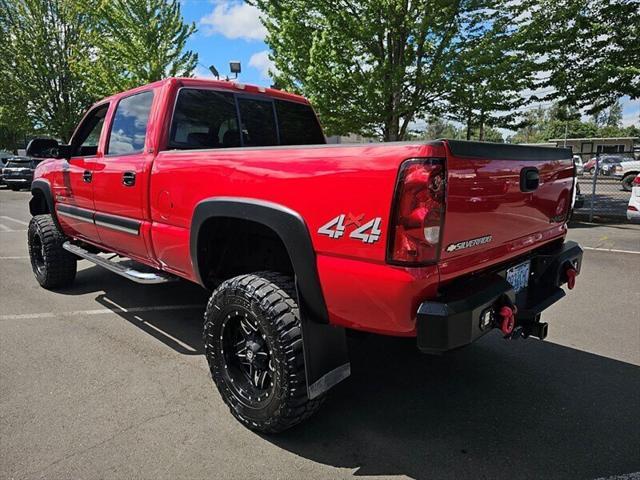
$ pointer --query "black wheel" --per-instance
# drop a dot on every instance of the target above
(52, 265)
(592, 171)
(627, 182)
(253, 344)
(15, 188)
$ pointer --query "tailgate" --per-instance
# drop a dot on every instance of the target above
(495, 208)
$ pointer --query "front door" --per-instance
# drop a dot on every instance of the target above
(73, 188)
(121, 178)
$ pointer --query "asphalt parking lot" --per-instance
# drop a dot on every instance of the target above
(107, 380)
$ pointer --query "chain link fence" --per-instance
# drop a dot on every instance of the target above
(604, 182)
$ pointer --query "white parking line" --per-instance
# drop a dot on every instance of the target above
(101, 311)
(612, 250)
(4, 228)
(14, 258)
(20, 222)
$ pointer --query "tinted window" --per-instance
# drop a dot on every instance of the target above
(258, 122)
(204, 119)
(85, 142)
(298, 124)
(130, 124)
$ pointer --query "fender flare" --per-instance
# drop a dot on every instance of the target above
(288, 225)
(44, 188)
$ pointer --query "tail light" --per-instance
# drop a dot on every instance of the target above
(416, 218)
(636, 181)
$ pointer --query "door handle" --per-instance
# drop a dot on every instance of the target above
(529, 179)
(129, 179)
(87, 176)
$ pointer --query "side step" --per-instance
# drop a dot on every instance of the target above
(123, 269)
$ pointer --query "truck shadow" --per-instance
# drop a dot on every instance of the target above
(496, 409)
(171, 312)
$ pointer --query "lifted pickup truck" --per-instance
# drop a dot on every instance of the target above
(231, 186)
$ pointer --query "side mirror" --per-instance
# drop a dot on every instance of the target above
(47, 148)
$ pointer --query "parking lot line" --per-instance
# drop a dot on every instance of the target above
(14, 258)
(11, 219)
(4, 228)
(612, 250)
(101, 311)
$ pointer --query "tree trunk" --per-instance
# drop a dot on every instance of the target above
(481, 127)
(469, 124)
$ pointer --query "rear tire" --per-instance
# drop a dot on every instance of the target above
(266, 389)
(52, 265)
(627, 182)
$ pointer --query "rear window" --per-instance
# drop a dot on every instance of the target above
(258, 122)
(205, 118)
(298, 124)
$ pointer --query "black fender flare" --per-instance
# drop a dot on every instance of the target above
(326, 355)
(43, 187)
(287, 224)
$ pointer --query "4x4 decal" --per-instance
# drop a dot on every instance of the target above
(366, 232)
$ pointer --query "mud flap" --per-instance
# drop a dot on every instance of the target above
(326, 355)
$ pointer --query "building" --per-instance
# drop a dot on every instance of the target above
(599, 145)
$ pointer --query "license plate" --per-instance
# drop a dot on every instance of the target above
(518, 276)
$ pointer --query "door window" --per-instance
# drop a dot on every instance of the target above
(129, 126)
(85, 142)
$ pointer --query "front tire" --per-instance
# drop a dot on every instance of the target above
(253, 344)
(52, 265)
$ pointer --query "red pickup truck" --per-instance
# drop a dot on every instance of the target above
(232, 186)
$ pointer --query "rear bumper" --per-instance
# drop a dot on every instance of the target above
(460, 316)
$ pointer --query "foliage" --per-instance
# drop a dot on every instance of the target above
(59, 56)
(489, 75)
(589, 50)
(370, 66)
(137, 42)
(541, 124)
(43, 46)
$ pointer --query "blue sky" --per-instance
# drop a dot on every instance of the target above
(231, 30)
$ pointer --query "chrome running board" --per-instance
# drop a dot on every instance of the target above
(123, 269)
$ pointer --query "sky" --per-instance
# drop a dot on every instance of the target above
(231, 30)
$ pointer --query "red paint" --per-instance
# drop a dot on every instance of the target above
(361, 290)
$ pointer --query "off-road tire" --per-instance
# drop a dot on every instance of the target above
(52, 265)
(627, 182)
(271, 297)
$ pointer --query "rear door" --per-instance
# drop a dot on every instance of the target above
(501, 200)
(73, 187)
(121, 178)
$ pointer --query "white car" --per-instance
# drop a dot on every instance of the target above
(626, 172)
(633, 210)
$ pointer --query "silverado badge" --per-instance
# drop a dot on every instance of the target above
(469, 243)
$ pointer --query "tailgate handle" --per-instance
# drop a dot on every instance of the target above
(529, 179)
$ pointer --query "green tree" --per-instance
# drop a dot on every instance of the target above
(137, 42)
(590, 49)
(43, 45)
(489, 75)
(369, 66)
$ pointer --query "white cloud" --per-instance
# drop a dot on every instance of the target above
(234, 20)
(262, 63)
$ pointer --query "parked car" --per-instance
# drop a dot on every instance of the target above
(18, 172)
(230, 186)
(627, 172)
(633, 210)
(4, 157)
(607, 162)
